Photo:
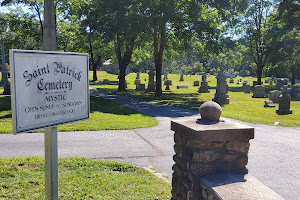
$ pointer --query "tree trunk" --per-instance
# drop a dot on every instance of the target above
(122, 69)
(94, 65)
(158, 56)
(158, 67)
(259, 72)
(123, 60)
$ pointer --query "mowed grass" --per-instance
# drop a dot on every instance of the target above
(242, 106)
(80, 178)
(104, 115)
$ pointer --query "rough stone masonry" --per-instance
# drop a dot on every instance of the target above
(207, 146)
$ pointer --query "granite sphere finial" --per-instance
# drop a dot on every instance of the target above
(210, 111)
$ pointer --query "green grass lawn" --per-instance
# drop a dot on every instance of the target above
(80, 178)
(242, 106)
(104, 115)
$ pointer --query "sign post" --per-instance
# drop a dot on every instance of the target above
(51, 164)
(49, 88)
(51, 155)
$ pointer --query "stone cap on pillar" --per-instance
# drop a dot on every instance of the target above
(221, 131)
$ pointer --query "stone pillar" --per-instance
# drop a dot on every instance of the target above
(204, 147)
(258, 91)
(168, 83)
(221, 96)
(279, 83)
(284, 102)
(151, 83)
(247, 88)
(181, 77)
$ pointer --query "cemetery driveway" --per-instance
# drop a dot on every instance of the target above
(274, 156)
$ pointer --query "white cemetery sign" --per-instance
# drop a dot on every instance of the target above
(48, 89)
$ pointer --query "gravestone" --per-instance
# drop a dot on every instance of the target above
(259, 91)
(167, 84)
(181, 77)
(231, 80)
(151, 83)
(165, 76)
(137, 81)
(254, 83)
(274, 96)
(247, 88)
(137, 75)
(105, 81)
(279, 83)
(204, 77)
(6, 88)
(284, 102)
(269, 104)
(204, 85)
(294, 92)
(244, 83)
(196, 83)
(221, 96)
(182, 87)
(271, 82)
(203, 88)
(140, 87)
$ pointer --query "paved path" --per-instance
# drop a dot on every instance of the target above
(274, 156)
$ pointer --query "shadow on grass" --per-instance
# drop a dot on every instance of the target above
(97, 105)
(106, 106)
(6, 116)
(101, 83)
(143, 102)
(236, 89)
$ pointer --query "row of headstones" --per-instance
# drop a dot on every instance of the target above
(283, 97)
(221, 96)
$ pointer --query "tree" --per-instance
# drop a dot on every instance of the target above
(20, 30)
(258, 39)
(289, 13)
(284, 46)
(164, 18)
(74, 33)
(120, 22)
(35, 5)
